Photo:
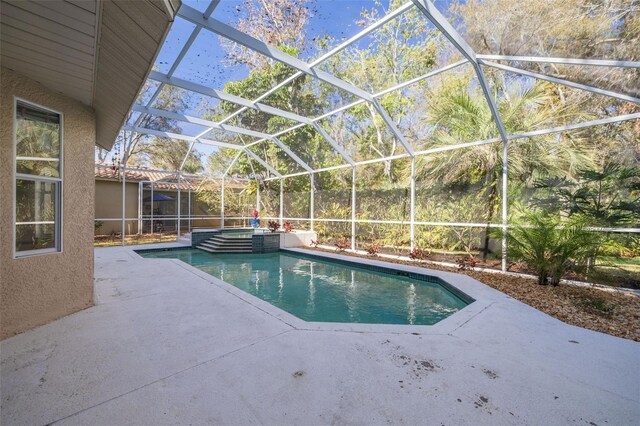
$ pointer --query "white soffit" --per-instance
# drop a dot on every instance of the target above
(98, 52)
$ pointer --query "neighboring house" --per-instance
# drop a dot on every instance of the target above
(141, 212)
(70, 71)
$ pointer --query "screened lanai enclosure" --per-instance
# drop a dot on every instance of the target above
(440, 126)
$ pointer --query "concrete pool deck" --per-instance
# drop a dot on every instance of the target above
(168, 344)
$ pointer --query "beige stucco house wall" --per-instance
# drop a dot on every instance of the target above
(108, 205)
(91, 75)
(37, 289)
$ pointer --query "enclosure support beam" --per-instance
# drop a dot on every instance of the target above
(291, 154)
(198, 88)
(511, 137)
(140, 194)
(200, 121)
(311, 199)
(332, 142)
(281, 201)
(563, 82)
(505, 182)
(186, 156)
(412, 205)
(224, 96)
(257, 194)
(124, 172)
(564, 61)
(226, 172)
(181, 55)
(189, 207)
(163, 172)
(273, 52)
(151, 230)
(169, 135)
(213, 125)
(377, 95)
(392, 126)
(267, 50)
(263, 163)
(179, 192)
(432, 13)
(339, 48)
(353, 208)
(222, 203)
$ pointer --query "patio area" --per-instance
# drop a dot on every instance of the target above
(167, 343)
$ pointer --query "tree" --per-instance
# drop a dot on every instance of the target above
(134, 146)
(560, 28)
(609, 197)
(401, 49)
(569, 28)
(276, 22)
(167, 154)
(551, 247)
(459, 113)
(296, 97)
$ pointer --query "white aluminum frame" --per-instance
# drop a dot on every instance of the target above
(477, 61)
(563, 82)
(59, 187)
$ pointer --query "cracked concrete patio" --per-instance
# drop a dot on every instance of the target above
(168, 344)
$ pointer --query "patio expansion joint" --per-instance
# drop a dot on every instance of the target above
(468, 320)
(168, 376)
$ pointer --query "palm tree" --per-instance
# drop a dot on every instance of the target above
(460, 114)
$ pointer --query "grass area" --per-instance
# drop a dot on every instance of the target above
(610, 312)
(109, 241)
(631, 264)
(617, 271)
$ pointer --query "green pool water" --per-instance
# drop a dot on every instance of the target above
(317, 290)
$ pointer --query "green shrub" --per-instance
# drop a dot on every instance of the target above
(550, 246)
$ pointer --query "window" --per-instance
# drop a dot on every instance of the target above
(38, 207)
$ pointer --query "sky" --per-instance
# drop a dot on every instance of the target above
(205, 62)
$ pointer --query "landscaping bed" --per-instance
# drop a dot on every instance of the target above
(612, 312)
(116, 240)
(611, 271)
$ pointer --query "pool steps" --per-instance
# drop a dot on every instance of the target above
(219, 244)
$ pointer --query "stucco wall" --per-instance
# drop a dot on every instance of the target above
(37, 289)
(109, 206)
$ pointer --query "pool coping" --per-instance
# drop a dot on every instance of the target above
(483, 295)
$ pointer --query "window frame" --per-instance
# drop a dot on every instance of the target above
(58, 183)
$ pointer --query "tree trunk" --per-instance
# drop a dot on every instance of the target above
(493, 196)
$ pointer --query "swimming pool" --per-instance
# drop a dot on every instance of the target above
(315, 289)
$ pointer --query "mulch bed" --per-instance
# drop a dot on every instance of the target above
(611, 312)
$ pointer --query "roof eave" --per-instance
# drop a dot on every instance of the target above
(122, 69)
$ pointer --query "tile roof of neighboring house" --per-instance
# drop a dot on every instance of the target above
(145, 174)
(139, 174)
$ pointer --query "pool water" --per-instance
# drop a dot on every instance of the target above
(314, 289)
